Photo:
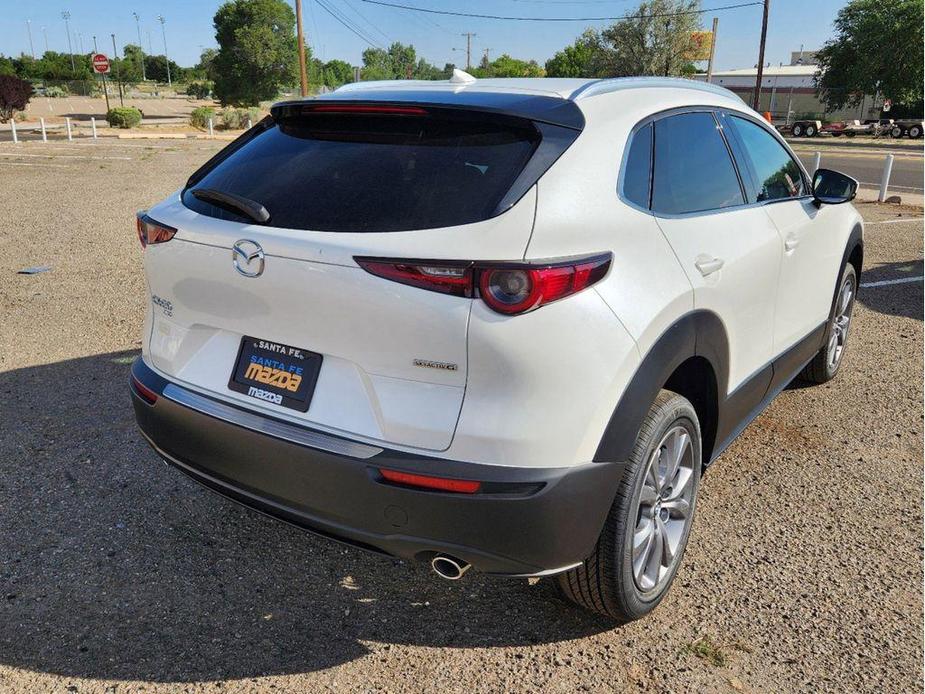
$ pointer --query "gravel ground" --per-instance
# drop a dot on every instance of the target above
(117, 574)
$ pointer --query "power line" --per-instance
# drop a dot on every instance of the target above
(347, 23)
(366, 21)
(561, 19)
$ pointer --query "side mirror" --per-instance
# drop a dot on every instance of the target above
(833, 188)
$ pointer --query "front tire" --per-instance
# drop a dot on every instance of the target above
(643, 540)
(810, 130)
(824, 366)
(797, 130)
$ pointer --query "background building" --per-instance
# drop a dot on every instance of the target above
(789, 89)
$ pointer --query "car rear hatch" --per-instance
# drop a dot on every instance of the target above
(262, 268)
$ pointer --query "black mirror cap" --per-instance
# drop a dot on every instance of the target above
(833, 187)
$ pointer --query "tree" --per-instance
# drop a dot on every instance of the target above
(506, 66)
(156, 68)
(651, 43)
(399, 62)
(337, 72)
(257, 50)
(877, 49)
(581, 59)
(206, 65)
(14, 95)
(130, 63)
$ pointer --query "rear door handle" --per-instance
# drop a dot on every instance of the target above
(708, 264)
(791, 242)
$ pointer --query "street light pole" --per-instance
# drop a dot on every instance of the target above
(45, 34)
(141, 49)
(115, 54)
(70, 49)
(161, 19)
(29, 29)
(764, 37)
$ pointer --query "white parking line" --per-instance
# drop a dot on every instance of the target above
(884, 283)
(30, 163)
(896, 221)
(62, 156)
(908, 189)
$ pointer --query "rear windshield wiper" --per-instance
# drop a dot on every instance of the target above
(236, 203)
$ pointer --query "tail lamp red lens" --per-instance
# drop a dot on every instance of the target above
(151, 232)
(146, 394)
(442, 484)
(508, 288)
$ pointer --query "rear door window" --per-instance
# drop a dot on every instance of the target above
(368, 172)
(693, 168)
(638, 168)
(777, 175)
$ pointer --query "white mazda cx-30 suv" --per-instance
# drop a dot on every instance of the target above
(501, 324)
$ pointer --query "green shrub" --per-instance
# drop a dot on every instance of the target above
(199, 118)
(57, 92)
(123, 117)
(199, 90)
(236, 118)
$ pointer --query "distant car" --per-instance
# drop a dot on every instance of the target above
(503, 324)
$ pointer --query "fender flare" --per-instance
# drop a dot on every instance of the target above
(699, 333)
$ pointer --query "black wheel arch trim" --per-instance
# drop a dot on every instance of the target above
(698, 333)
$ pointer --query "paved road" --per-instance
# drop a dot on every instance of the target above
(118, 575)
(867, 166)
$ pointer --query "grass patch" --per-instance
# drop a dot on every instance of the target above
(716, 654)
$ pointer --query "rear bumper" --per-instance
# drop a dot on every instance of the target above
(526, 521)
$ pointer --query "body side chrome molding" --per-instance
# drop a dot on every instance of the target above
(270, 427)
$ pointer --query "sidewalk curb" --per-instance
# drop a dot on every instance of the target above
(852, 143)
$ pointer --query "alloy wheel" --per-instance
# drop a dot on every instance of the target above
(838, 335)
(664, 509)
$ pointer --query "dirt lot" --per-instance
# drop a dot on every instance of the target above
(117, 574)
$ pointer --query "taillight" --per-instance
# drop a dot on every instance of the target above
(442, 484)
(150, 232)
(508, 288)
(146, 394)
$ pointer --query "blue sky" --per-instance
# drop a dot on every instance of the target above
(189, 27)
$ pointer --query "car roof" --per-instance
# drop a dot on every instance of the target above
(572, 89)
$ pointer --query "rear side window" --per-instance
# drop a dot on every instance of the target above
(638, 168)
(778, 175)
(693, 169)
(362, 172)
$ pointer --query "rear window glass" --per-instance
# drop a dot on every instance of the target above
(693, 169)
(638, 170)
(354, 172)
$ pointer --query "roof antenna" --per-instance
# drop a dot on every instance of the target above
(461, 77)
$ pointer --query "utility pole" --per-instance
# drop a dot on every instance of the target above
(141, 49)
(161, 19)
(303, 70)
(764, 36)
(80, 42)
(45, 34)
(29, 29)
(95, 49)
(468, 36)
(115, 54)
(70, 49)
(712, 49)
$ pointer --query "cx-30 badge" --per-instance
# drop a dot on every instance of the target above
(248, 258)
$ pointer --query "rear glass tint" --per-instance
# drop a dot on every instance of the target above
(354, 172)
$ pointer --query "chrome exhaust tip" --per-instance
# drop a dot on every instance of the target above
(450, 568)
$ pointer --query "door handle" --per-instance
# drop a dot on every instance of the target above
(791, 242)
(708, 264)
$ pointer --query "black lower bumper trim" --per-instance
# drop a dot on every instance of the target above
(530, 521)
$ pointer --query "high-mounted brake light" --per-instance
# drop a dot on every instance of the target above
(508, 288)
(442, 484)
(371, 109)
(150, 232)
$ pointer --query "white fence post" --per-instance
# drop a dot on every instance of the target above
(249, 124)
(13, 129)
(93, 125)
(211, 134)
(44, 135)
(67, 122)
(817, 160)
(885, 180)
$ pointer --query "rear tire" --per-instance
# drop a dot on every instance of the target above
(654, 506)
(810, 130)
(824, 366)
(915, 132)
(897, 131)
(797, 130)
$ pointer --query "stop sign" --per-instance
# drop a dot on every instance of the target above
(100, 63)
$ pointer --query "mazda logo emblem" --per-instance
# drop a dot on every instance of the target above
(248, 258)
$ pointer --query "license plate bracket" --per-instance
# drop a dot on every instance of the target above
(275, 373)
